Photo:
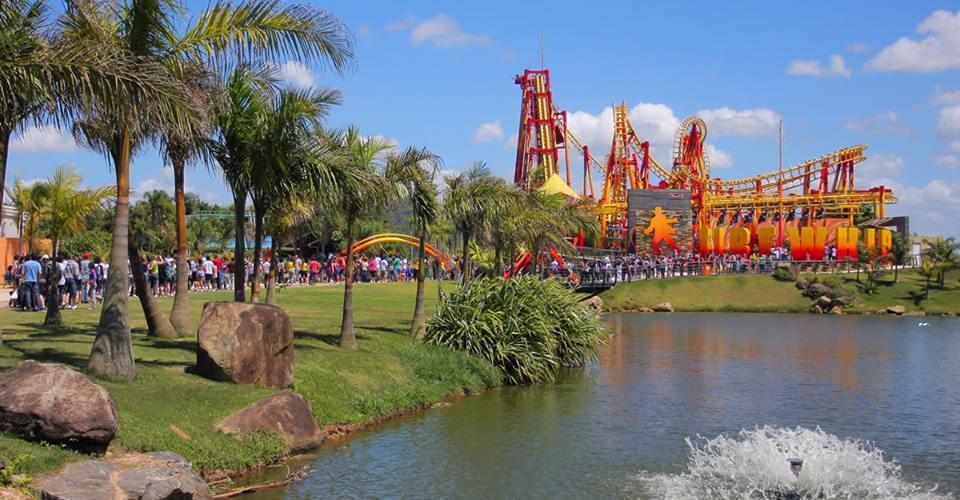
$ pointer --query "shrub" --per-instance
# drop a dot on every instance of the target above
(783, 273)
(526, 326)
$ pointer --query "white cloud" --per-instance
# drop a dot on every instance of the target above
(749, 123)
(511, 142)
(937, 51)
(719, 159)
(163, 181)
(652, 122)
(488, 132)
(46, 139)
(948, 161)
(858, 47)
(878, 169)
(881, 123)
(933, 208)
(949, 122)
(815, 68)
(942, 97)
(297, 75)
(440, 31)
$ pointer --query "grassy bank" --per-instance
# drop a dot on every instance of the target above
(761, 293)
(390, 373)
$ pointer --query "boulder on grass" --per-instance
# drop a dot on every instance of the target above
(816, 290)
(245, 343)
(594, 302)
(55, 403)
(663, 307)
(154, 476)
(285, 413)
(824, 302)
(898, 310)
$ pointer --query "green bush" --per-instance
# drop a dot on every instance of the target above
(526, 326)
(783, 273)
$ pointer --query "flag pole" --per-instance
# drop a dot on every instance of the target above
(780, 189)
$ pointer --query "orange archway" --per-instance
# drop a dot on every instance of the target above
(400, 238)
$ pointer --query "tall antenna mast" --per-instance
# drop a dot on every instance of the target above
(780, 190)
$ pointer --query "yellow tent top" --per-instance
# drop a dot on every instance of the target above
(555, 185)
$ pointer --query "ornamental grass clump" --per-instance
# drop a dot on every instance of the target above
(526, 326)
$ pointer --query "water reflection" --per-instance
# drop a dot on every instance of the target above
(663, 378)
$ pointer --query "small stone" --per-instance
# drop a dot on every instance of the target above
(285, 413)
(836, 310)
(816, 309)
(594, 302)
(663, 307)
(824, 301)
(644, 309)
(898, 310)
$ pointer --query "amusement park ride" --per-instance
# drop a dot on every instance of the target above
(809, 205)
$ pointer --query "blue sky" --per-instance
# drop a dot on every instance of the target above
(440, 75)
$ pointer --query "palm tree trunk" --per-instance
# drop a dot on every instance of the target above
(180, 314)
(5, 133)
(239, 246)
(157, 323)
(498, 260)
(348, 340)
(896, 273)
(112, 354)
(272, 276)
(258, 215)
(53, 294)
(418, 329)
(465, 258)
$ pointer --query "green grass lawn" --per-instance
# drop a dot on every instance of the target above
(761, 293)
(391, 372)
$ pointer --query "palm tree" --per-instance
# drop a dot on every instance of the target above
(407, 170)
(284, 215)
(265, 31)
(361, 190)
(286, 157)
(246, 97)
(148, 29)
(28, 201)
(545, 221)
(471, 199)
(46, 78)
(65, 209)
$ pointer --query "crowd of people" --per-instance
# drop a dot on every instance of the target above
(78, 280)
(82, 280)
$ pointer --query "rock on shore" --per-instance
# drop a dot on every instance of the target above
(153, 476)
(285, 413)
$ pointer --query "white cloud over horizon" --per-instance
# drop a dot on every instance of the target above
(748, 123)
(653, 122)
(43, 139)
(938, 50)
(488, 132)
(441, 31)
(837, 67)
(880, 123)
(297, 75)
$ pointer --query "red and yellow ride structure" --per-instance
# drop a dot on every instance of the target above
(810, 204)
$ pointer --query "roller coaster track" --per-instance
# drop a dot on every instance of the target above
(406, 239)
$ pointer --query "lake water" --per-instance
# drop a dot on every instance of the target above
(619, 427)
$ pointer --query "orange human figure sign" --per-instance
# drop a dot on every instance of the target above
(662, 230)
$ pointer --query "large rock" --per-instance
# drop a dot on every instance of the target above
(824, 302)
(898, 310)
(285, 413)
(817, 290)
(663, 307)
(594, 302)
(154, 476)
(246, 344)
(54, 403)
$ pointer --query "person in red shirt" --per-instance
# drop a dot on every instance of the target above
(314, 270)
(221, 278)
